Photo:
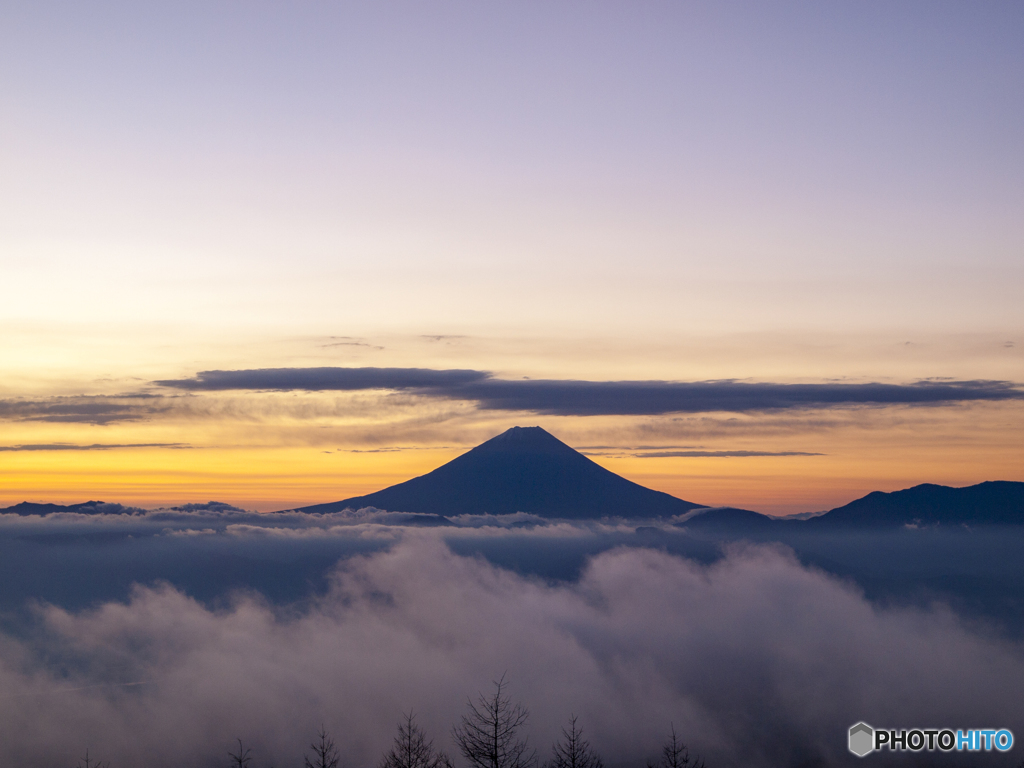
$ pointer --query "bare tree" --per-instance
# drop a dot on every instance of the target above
(489, 734)
(412, 750)
(324, 753)
(573, 751)
(675, 755)
(242, 758)
(89, 764)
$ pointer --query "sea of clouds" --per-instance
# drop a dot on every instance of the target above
(753, 658)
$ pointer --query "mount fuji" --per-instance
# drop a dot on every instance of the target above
(525, 469)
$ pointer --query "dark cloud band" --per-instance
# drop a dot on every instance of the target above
(600, 398)
(596, 398)
(84, 409)
(93, 447)
(719, 454)
(328, 379)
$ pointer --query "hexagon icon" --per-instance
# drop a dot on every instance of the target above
(862, 737)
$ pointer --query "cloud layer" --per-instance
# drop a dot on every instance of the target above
(594, 398)
(328, 379)
(84, 409)
(719, 454)
(91, 447)
(756, 660)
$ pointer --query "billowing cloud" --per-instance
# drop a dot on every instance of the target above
(756, 661)
(594, 398)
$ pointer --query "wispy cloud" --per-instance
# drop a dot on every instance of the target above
(352, 344)
(719, 454)
(601, 398)
(93, 447)
(349, 341)
(329, 379)
(85, 409)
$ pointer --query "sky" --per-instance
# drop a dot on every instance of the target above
(769, 257)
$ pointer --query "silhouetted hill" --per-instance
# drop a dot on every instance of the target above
(85, 508)
(992, 503)
(26, 508)
(731, 519)
(522, 470)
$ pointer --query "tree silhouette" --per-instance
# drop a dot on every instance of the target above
(89, 764)
(324, 753)
(412, 750)
(242, 758)
(489, 734)
(573, 751)
(675, 755)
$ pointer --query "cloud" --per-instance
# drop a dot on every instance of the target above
(755, 660)
(678, 452)
(667, 448)
(84, 409)
(719, 454)
(348, 341)
(328, 379)
(93, 447)
(593, 398)
(56, 519)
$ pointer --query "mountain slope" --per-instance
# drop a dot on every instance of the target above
(26, 508)
(525, 469)
(923, 506)
(731, 520)
(992, 503)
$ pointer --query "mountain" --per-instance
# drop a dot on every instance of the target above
(27, 508)
(732, 520)
(522, 470)
(923, 506)
(992, 503)
(85, 508)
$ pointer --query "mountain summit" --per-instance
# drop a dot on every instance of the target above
(525, 469)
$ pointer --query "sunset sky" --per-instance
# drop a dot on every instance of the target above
(771, 257)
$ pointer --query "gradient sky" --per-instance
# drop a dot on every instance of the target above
(578, 192)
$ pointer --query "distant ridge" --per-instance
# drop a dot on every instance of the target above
(26, 508)
(731, 519)
(991, 503)
(923, 506)
(524, 469)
